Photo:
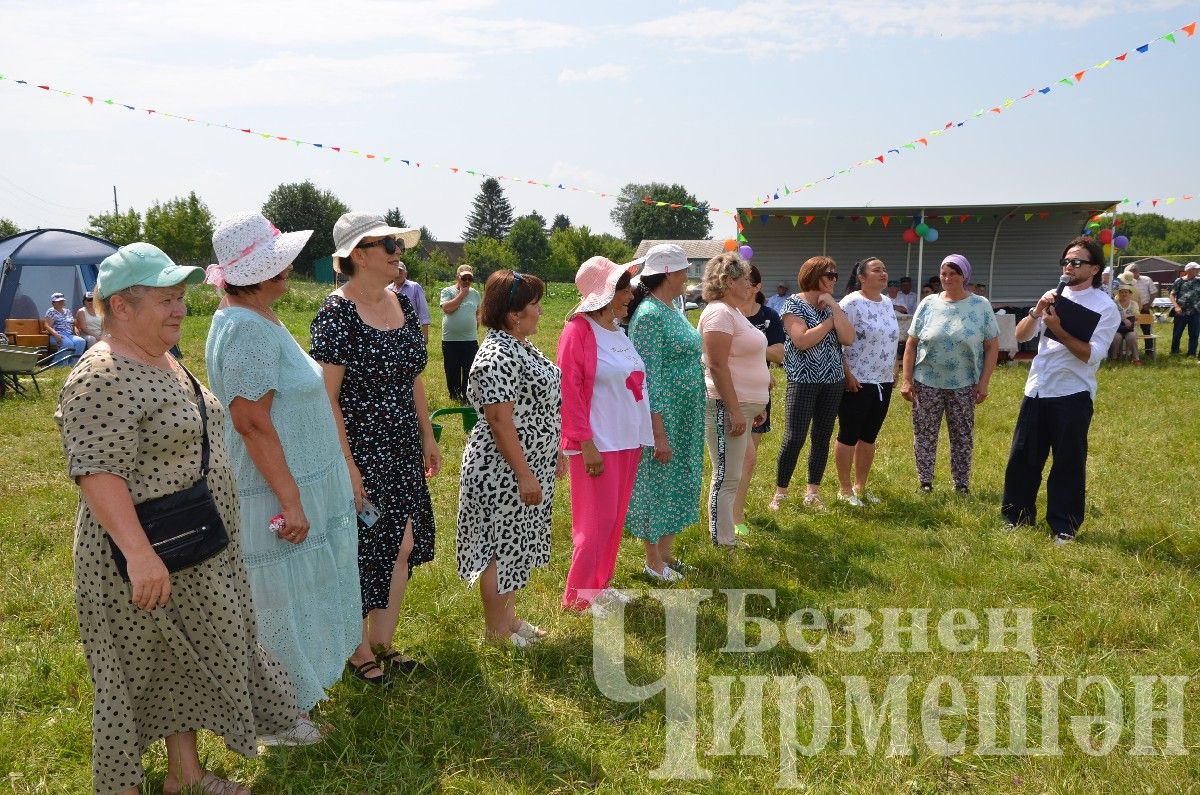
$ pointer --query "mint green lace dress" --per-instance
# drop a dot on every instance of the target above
(306, 596)
(666, 497)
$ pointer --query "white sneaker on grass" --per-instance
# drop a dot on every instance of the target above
(610, 595)
(867, 497)
(850, 499)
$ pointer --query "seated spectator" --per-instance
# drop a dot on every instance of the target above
(926, 291)
(87, 322)
(60, 326)
(1125, 341)
(980, 290)
(907, 296)
(899, 306)
(777, 301)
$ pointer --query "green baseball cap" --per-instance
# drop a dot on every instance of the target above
(145, 265)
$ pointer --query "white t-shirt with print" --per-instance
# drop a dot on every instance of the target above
(872, 355)
(620, 415)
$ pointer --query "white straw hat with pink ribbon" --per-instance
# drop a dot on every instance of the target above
(251, 250)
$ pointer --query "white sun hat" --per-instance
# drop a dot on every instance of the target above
(351, 228)
(251, 250)
(662, 258)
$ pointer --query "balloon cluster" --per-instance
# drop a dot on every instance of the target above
(745, 252)
(1106, 236)
(921, 230)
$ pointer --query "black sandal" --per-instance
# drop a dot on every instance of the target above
(360, 672)
(397, 660)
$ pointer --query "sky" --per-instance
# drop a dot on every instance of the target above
(733, 100)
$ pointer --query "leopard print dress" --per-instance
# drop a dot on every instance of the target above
(492, 522)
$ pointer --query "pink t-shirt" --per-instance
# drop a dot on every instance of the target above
(747, 353)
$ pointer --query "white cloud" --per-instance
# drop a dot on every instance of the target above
(606, 71)
(769, 28)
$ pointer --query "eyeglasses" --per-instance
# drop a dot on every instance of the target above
(390, 244)
(466, 277)
(86, 300)
(830, 274)
(1074, 263)
(512, 291)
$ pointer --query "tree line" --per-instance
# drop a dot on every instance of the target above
(494, 238)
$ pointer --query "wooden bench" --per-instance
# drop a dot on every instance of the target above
(1149, 341)
(26, 332)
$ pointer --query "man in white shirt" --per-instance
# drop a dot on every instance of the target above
(906, 296)
(1057, 409)
(778, 300)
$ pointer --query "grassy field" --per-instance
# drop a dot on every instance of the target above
(1120, 603)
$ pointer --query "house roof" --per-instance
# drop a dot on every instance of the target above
(692, 249)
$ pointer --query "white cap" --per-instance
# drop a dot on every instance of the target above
(1192, 266)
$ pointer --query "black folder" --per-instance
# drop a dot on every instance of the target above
(1077, 320)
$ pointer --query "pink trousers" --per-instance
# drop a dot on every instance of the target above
(598, 507)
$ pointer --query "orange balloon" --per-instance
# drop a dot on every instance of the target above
(730, 245)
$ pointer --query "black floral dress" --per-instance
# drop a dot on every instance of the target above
(380, 415)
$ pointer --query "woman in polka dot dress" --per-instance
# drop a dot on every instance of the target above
(369, 343)
(168, 653)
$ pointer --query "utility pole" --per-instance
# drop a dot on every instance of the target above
(116, 211)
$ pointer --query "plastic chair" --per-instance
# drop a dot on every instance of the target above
(469, 418)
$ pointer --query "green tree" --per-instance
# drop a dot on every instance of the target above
(491, 214)
(529, 243)
(486, 255)
(560, 222)
(181, 227)
(119, 229)
(394, 217)
(8, 228)
(294, 206)
(570, 247)
(639, 221)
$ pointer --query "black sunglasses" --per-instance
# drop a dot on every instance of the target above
(390, 244)
(1074, 263)
(512, 291)
(830, 274)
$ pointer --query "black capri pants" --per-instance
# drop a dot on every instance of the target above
(861, 414)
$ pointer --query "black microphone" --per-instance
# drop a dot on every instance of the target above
(1063, 281)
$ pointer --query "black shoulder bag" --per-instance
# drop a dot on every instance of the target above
(184, 528)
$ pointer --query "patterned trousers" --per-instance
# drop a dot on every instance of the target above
(958, 405)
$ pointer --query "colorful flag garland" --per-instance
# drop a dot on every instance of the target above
(409, 161)
(1189, 30)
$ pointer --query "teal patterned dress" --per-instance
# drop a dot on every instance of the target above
(666, 497)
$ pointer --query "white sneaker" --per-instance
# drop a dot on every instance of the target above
(668, 574)
(867, 497)
(850, 499)
(305, 732)
(610, 595)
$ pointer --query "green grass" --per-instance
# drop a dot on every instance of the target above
(1120, 603)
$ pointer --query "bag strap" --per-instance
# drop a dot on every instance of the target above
(203, 419)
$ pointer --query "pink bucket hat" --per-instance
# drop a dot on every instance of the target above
(251, 250)
(596, 281)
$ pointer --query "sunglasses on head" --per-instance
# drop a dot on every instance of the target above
(512, 291)
(390, 244)
(1074, 263)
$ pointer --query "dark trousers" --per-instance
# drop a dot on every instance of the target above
(457, 358)
(1192, 324)
(1049, 425)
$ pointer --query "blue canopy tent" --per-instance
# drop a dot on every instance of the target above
(39, 262)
